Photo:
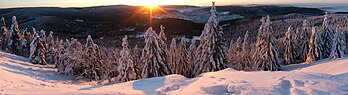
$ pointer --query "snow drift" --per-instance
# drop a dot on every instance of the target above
(323, 77)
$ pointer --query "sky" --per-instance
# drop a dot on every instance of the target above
(85, 3)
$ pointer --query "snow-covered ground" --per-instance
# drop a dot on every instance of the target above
(325, 77)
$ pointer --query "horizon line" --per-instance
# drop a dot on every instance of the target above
(290, 4)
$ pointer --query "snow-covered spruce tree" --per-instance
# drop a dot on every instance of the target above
(73, 62)
(5, 35)
(297, 48)
(163, 45)
(153, 57)
(43, 38)
(184, 66)
(268, 60)
(246, 59)
(344, 40)
(290, 50)
(33, 45)
(162, 39)
(315, 47)
(327, 36)
(37, 52)
(51, 50)
(191, 58)
(95, 66)
(15, 39)
(338, 46)
(126, 66)
(64, 53)
(305, 36)
(256, 54)
(26, 44)
(211, 55)
(14, 21)
(114, 64)
(59, 51)
(173, 57)
(246, 42)
(239, 44)
(136, 53)
(235, 54)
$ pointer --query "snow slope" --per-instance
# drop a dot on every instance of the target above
(325, 77)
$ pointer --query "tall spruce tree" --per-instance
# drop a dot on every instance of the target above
(61, 56)
(315, 47)
(246, 57)
(184, 66)
(289, 47)
(192, 57)
(33, 44)
(59, 51)
(339, 44)
(51, 49)
(153, 57)
(15, 38)
(43, 38)
(162, 38)
(267, 52)
(246, 42)
(95, 64)
(26, 44)
(305, 36)
(136, 53)
(211, 51)
(173, 57)
(37, 52)
(327, 36)
(256, 54)
(5, 35)
(73, 62)
(126, 66)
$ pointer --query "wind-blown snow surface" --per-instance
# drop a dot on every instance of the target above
(17, 76)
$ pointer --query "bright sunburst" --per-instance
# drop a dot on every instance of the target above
(151, 6)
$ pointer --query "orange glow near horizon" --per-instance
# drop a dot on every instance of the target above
(87, 3)
(151, 9)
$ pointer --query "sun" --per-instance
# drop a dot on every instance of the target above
(150, 8)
